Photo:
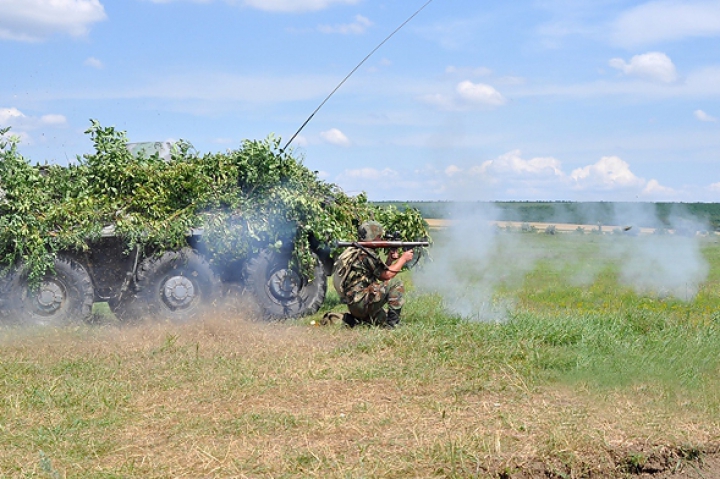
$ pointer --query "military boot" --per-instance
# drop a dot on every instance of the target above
(393, 318)
(349, 320)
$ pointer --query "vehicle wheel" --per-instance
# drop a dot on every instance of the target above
(62, 297)
(176, 286)
(282, 292)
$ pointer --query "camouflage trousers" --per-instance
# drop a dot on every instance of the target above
(369, 302)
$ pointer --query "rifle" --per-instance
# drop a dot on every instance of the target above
(390, 245)
(383, 244)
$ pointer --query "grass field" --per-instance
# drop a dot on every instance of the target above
(586, 379)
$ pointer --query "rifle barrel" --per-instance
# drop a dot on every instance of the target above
(382, 244)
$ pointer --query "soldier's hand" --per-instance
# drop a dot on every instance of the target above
(407, 255)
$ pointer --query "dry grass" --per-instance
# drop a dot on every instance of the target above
(232, 398)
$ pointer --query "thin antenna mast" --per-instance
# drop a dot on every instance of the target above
(353, 71)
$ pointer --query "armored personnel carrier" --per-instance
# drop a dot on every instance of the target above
(158, 230)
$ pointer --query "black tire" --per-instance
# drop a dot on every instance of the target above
(282, 292)
(177, 286)
(63, 297)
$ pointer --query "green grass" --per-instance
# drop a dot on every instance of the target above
(591, 379)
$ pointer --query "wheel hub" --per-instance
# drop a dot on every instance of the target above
(50, 297)
(179, 292)
(284, 284)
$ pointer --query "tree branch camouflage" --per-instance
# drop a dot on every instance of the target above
(244, 200)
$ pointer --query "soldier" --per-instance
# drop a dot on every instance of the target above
(365, 283)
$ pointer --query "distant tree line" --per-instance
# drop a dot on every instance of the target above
(599, 212)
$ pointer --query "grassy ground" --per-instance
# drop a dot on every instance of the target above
(591, 380)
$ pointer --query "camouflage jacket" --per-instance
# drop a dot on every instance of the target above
(354, 271)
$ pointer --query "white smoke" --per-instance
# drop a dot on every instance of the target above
(475, 266)
(661, 264)
(471, 261)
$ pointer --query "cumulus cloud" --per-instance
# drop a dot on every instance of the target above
(335, 137)
(655, 66)
(286, 6)
(512, 177)
(666, 20)
(35, 20)
(53, 120)
(296, 5)
(654, 189)
(702, 116)
(19, 121)
(479, 93)
(467, 95)
(453, 170)
(356, 28)
(94, 63)
(511, 164)
(7, 115)
(609, 173)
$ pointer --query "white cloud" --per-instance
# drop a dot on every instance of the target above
(609, 173)
(9, 114)
(285, 6)
(296, 5)
(467, 95)
(702, 116)
(479, 93)
(335, 137)
(654, 188)
(21, 123)
(512, 165)
(356, 28)
(511, 177)
(453, 170)
(666, 20)
(94, 63)
(715, 187)
(53, 120)
(34, 20)
(655, 66)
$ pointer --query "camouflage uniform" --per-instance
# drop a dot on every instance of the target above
(356, 277)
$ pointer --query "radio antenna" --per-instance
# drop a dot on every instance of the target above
(353, 71)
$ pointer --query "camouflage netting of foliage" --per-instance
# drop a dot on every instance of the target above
(246, 199)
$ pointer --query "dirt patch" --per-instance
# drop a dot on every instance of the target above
(662, 463)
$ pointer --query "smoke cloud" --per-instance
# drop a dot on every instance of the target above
(476, 265)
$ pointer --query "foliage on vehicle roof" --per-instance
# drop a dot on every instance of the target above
(245, 199)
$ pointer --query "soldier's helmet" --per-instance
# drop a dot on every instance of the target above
(370, 230)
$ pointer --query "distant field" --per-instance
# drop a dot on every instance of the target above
(644, 215)
(543, 227)
(438, 224)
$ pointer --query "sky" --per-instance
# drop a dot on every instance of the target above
(560, 100)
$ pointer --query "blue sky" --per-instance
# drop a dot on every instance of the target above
(605, 100)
